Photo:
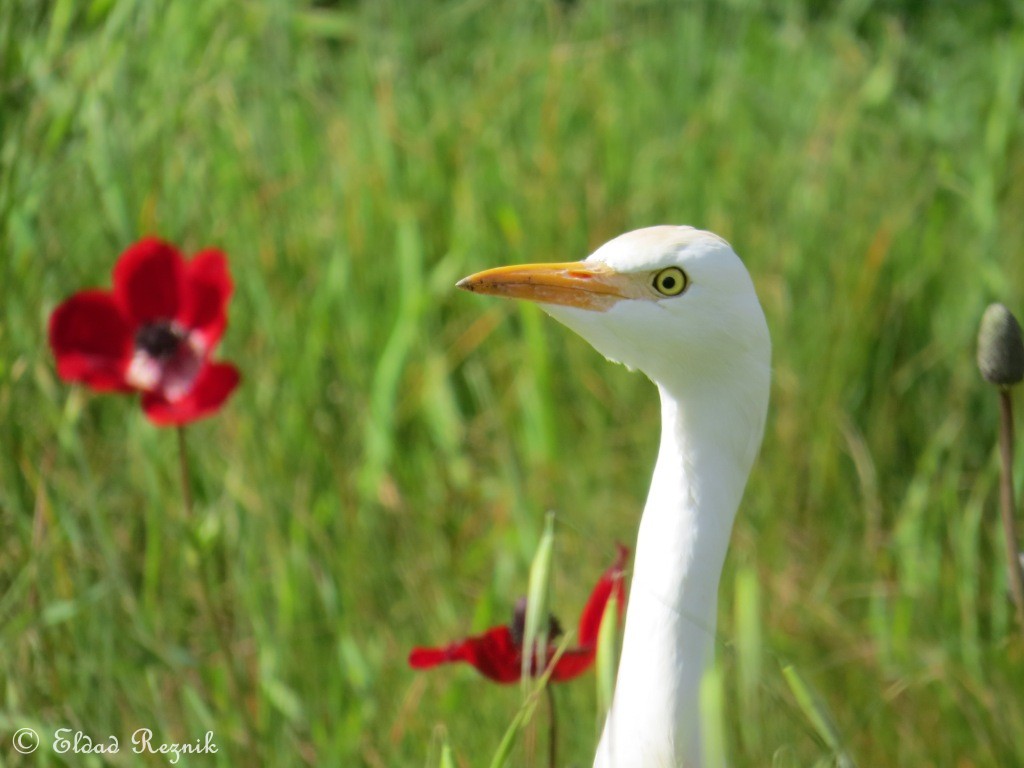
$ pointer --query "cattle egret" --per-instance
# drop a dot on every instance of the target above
(677, 304)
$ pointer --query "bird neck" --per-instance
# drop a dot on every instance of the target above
(708, 442)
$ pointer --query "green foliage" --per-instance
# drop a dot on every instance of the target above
(538, 598)
(817, 713)
(607, 655)
(380, 478)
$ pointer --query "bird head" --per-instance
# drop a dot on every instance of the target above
(671, 301)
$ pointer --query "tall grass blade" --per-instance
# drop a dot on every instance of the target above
(749, 655)
(525, 712)
(607, 656)
(817, 713)
(535, 633)
(712, 716)
(447, 756)
(508, 741)
(380, 427)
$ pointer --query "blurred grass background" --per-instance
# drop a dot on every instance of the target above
(379, 480)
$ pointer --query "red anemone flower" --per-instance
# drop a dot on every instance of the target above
(153, 333)
(498, 653)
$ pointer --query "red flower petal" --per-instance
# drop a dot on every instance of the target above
(92, 341)
(211, 390)
(427, 658)
(149, 281)
(207, 290)
(573, 663)
(611, 579)
(494, 654)
(497, 656)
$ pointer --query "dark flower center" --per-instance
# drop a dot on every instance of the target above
(159, 339)
(518, 625)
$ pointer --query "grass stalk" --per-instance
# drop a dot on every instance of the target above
(186, 481)
(1007, 504)
(552, 727)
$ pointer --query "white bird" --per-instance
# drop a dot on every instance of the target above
(677, 304)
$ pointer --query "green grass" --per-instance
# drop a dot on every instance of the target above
(380, 479)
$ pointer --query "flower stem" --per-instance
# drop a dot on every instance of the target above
(186, 485)
(552, 728)
(206, 592)
(1007, 503)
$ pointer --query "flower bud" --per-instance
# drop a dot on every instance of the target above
(1000, 348)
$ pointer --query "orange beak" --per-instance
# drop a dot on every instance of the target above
(571, 284)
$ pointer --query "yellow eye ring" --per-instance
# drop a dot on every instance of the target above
(671, 281)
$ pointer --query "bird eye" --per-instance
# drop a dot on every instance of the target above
(670, 282)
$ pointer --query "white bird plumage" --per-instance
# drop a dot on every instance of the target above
(708, 351)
